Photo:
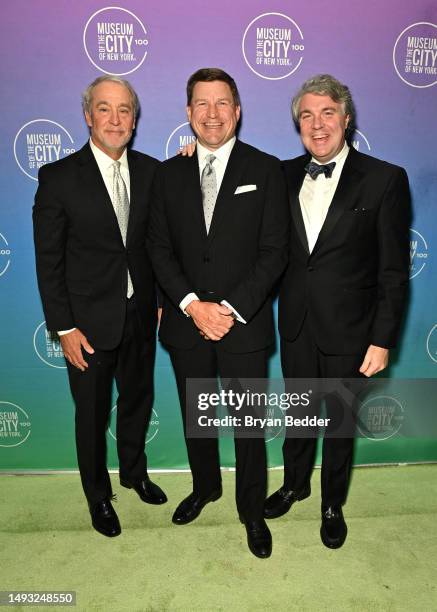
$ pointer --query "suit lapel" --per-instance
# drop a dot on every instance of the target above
(193, 194)
(294, 183)
(136, 189)
(94, 186)
(347, 187)
(231, 179)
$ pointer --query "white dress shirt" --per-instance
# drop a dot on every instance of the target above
(316, 196)
(105, 164)
(221, 161)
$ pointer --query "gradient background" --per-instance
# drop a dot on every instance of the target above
(45, 68)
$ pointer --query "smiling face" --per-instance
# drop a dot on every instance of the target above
(111, 118)
(322, 123)
(213, 113)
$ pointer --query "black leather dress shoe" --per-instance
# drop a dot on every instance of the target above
(259, 538)
(147, 490)
(280, 502)
(190, 507)
(105, 519)
(334, 529)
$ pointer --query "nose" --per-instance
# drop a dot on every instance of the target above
(115, 118)
(212, 110)
(317, 121)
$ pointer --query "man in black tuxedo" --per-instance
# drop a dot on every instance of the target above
(344, 291)
(98, 290)
(218, 238)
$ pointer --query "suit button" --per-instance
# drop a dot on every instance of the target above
(310, 268)
(206, 260)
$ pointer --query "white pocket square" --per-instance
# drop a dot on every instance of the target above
(244, 188)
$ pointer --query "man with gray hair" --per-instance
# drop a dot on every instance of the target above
(344, 291)
(98, 291)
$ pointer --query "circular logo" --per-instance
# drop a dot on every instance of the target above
(415, 55)
(181, 136)
(152, 431)
(273, 46)
(5, 254)
(40, 142)
(115, 40)
(48, 347)
(418, 253)
(380, 417)
(14, 425)
(431, 343)
(360, 142)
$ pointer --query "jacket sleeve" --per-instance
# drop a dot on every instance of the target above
(50, 226)
(166, 267)
(394, 260)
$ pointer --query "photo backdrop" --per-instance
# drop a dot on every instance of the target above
(51, 49)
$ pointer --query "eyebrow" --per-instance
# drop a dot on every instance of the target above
(108, 103)
(218, 100)
(307, 110)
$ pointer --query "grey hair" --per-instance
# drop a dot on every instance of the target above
(326, 85)
(87, 95)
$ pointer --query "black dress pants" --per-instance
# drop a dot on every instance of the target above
(131, 364)
(302, 358)
(208, 360)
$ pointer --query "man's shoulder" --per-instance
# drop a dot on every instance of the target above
(295, 162)
(64, 167)
(256, 154)
(143, 158)
(369, 164)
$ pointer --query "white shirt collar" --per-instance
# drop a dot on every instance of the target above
(340, 157)
(104, 161)
(222, 154)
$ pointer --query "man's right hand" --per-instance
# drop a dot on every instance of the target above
(188, 149)
(72, 344)
(213, 320)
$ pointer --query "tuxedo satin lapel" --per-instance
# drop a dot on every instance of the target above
(294, 184)
(93, 185)
(348, 186)
(231, 179)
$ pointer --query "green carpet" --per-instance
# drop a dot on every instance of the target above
(388, 563)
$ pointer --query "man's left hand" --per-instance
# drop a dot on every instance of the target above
(376, 359)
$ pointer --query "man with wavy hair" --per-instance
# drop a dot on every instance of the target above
(344, 291)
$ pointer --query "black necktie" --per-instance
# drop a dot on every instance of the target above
(314, 169)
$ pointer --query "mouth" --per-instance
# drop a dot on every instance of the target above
(212, 126)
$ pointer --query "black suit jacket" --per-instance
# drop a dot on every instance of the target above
(354, 283)
(80, 257)
(239, 260)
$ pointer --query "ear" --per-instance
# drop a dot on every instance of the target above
(346, 120)
(238, 112)
(88, 119)
(188, 109)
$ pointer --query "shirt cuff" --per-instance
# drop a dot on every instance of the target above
(66, 331)
(186, 301)
(237, 315)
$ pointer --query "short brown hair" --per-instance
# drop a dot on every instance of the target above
(206, 75)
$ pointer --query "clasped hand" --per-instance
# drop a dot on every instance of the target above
(213, 320)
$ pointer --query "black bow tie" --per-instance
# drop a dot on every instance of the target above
(314, 169)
